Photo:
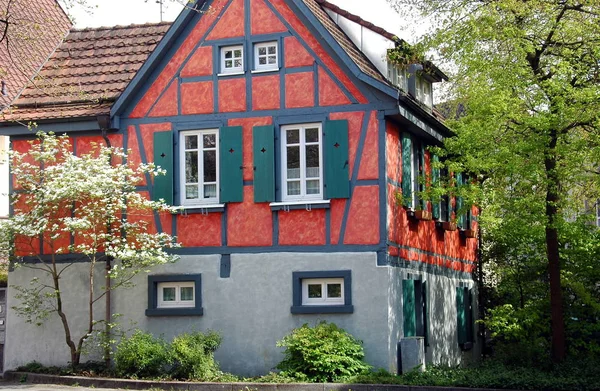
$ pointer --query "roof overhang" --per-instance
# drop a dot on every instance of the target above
(58, 126)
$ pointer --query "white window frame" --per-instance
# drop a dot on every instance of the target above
(302, 144)
(424, 91)
(182, 177)
(178, 303)
(266, 67)
(233, 69)
(398, 76)
(325, 300)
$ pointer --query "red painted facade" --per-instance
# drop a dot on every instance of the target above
(189, 86)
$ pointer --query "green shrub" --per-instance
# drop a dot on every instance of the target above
(324, 353)
(142, 355)
(193, 356)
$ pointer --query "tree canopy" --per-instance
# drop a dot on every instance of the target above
(526, 78)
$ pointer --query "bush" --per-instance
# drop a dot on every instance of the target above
(324, 353)
(142, 355)
(193, 356)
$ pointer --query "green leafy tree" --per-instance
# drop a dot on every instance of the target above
(88, 207)
(527, 81)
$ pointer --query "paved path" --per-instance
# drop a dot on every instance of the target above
(11, 386)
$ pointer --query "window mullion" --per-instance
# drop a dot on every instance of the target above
(302, 162)
(201, 166)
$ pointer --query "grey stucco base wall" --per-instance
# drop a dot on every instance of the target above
(251, 309)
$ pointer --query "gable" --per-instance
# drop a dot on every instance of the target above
(191, 61)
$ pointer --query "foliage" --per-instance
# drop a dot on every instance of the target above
(570, 376)
(527, 87)
(85, 205)
(193, 356)
(142, 355)
(323, 353)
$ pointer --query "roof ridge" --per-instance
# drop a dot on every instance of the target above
(120, 27)
(357, 19)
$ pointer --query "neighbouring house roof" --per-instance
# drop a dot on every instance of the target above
(363, 63)
(32, 32)
(88, 72)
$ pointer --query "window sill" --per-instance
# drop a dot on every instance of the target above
(175, 312)
(202, 209)
(297, 205)
(265, 70)
(230, 74)
(322, 309)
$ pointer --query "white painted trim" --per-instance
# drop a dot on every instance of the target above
(202, 206)
(324, 300)
(177, 303)
(267, 66)
(302, 197)
(265, 70)
(308, 202)
(229, 71)
(199, 202)
(230, 74)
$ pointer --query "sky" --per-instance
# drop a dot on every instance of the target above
(124, 12)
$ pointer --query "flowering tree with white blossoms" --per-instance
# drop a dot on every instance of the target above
(80, 208)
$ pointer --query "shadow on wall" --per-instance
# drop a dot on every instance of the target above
(443, 340)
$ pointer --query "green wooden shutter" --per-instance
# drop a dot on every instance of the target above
(163, 157)
(337, 184)
(406, 170)
(468, 215)
(425, 295)
(422, 173)
(263, 150)
(435, 182)
(408, 308)
(459, 203)
(231, 182)
(419, 325)
(469, 313)
(461, 320)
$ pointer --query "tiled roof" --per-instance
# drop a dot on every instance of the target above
(89, 70)
(363, 63)
(35, 29)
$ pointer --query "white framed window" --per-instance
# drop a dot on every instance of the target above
(176, 294)
(323, 291)
(302, 162)
(232, 59)
(199, 165)
(398, 76)
(424, 91)
(266, 56)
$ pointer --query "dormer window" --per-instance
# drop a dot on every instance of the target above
(424, 91)
(398, 76)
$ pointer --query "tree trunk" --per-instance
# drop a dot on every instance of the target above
(107, 314)
(559, 350)
(63, 318)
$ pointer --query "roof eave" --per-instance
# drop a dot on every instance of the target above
(144, 72)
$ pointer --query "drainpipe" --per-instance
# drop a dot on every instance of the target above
(104, 122)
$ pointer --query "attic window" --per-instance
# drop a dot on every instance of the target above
(265, 56)
(424, 91)
(232, 59)
(397, 76)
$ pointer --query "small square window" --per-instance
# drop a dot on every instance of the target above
(266, 56)
(321, 292)
(232, 59)
(174, 295)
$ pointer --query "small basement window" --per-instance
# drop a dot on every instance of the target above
(174, 295)
(322, 292)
